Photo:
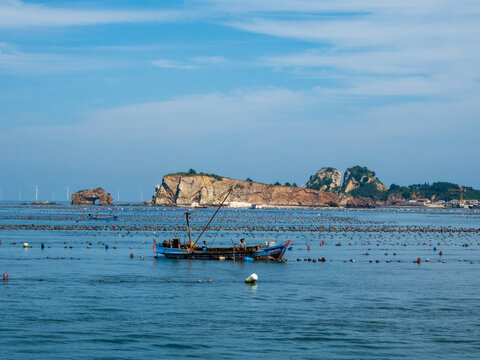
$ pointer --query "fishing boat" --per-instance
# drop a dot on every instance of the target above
(174, 249)
(102, 217)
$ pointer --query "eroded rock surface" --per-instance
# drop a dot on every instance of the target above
(326, 179)
(89, 197)
(209, 190)
(357, 177)
(360, 202)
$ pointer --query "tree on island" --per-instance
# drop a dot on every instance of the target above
(191, 172)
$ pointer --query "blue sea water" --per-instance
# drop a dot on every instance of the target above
(68, 301)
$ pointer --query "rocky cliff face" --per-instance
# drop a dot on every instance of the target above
(326, 179)
(89, 197)
(208, 190)
(360, 202)
(395, 199)
(357, 177)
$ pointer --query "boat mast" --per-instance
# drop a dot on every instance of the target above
(187, 214)
(205, 228)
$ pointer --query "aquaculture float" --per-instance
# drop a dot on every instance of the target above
(174, 249)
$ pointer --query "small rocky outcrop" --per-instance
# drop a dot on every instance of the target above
(89, 197)
(326, 179)
(360, 202)
(357, 177)
(395, 199)
(182, 189)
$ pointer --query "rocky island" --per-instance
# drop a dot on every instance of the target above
(206, 189)
(91, 196)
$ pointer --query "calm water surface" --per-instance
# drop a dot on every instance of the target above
(54, 306)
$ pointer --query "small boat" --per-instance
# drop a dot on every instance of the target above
(174, 249)
(102, 217)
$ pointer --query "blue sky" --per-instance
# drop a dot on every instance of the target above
(119, 93)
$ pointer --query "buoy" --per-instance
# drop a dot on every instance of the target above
(440, 253)
(5, 277)
(221, 258)
(25, 245)
(42, 245)
(199, 281)
(251, 279)
(418, 260)
(106, 247)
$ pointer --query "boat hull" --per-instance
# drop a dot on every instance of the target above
(271, 253)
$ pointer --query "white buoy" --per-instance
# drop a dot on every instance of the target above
(251, 279)
(25, 245)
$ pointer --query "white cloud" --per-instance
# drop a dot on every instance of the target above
(170, 64)
(15, 14)
(13, 60)
(425, 48)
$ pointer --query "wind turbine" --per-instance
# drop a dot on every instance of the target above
(36, 192)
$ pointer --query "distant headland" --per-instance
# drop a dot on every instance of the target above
(359, 187)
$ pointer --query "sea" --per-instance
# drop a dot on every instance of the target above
(395, 284)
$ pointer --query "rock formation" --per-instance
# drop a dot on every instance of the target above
(89, 197)
(360, 202)
(357, 177)
(395, 199)
(181, 189)
(326, 179)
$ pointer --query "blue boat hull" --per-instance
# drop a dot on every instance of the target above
(274, 253)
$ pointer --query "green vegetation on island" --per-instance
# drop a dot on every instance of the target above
(192, 172)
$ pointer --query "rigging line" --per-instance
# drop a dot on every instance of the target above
(206, 226)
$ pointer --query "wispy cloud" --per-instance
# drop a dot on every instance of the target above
(13, 60)
(372, 47)
(170, 64)
(192, 63)
(17, 14)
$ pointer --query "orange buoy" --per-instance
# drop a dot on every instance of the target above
(418, 260)
(5, 277)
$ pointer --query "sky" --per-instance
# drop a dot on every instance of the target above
(118, 93)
